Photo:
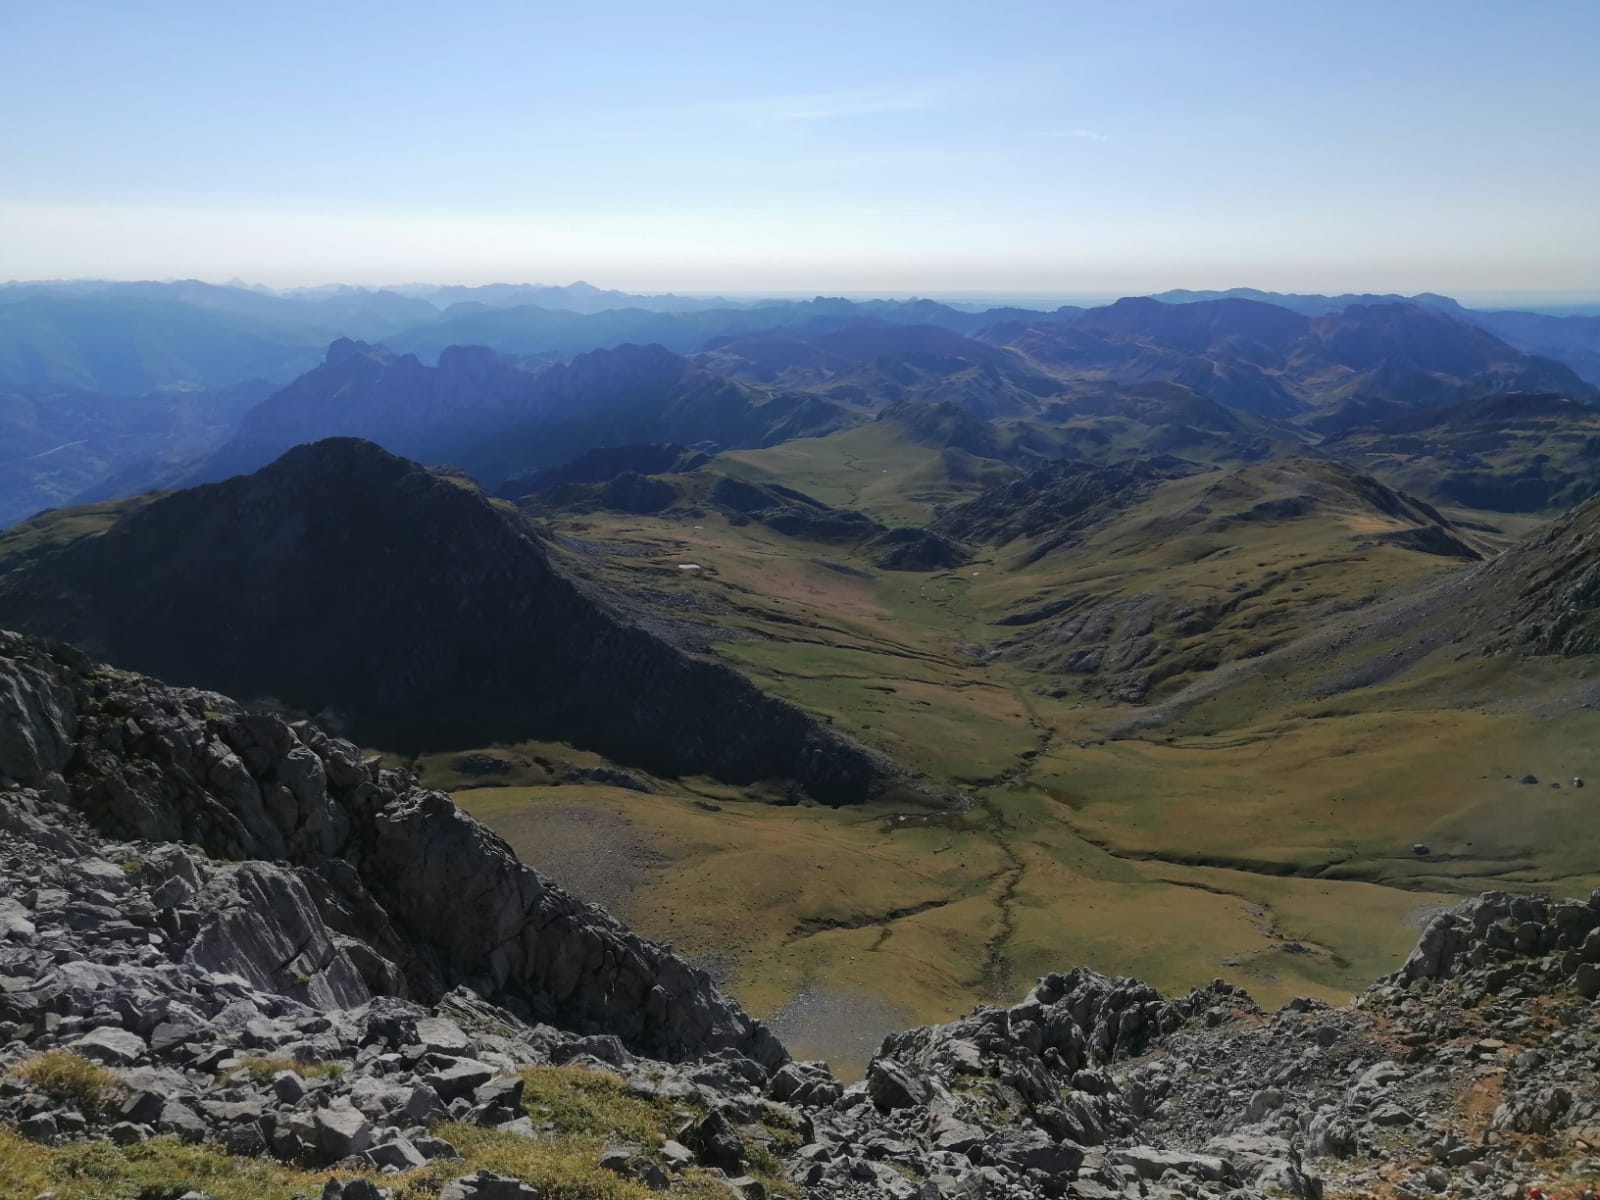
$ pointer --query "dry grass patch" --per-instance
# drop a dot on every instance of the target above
(24, 1172)
(262, 1070)
(152, 1170)
(577, 1101)
(71, 1080)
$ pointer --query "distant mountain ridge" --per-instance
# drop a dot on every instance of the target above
(876, 362)
(531, 329)
(1311, 304)
(577, 297)
(125, 348)
(1570, 339)
(1278, 363)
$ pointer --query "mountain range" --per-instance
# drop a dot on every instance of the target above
(1078, 379)
(1569, 338)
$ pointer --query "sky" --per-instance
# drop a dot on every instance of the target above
(918, 146)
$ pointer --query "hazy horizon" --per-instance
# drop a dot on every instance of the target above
(1040, 148)
(1574, 298)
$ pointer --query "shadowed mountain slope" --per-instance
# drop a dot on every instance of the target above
(366, 391)
(344, 578)
(605, 463)
(497, 418)
(64, 446)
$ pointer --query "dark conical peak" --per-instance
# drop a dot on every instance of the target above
(345, 457)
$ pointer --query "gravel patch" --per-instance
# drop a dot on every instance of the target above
(594, 854)
(842, 1029)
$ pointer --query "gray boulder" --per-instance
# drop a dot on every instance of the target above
(114, 1047)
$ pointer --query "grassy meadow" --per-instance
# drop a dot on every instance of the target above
(1263, 833)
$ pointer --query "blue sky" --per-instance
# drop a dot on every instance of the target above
(1052, 147)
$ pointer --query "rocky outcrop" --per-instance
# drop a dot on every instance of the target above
(1012, 1101)
(223, 1008)
(331, 848)
(1100, 1087)
(1543, 594)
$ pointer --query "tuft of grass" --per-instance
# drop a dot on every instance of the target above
(565, 1167)
(159, 1168)
(561, 1168)
(261, 1070)
(23, 1167)
(71, 1080)
(578, 1101)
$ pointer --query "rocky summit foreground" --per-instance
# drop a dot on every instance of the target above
(231, 934)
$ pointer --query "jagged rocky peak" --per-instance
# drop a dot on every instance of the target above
(342, 348)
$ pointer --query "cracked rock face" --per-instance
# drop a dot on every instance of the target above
(359, 857)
